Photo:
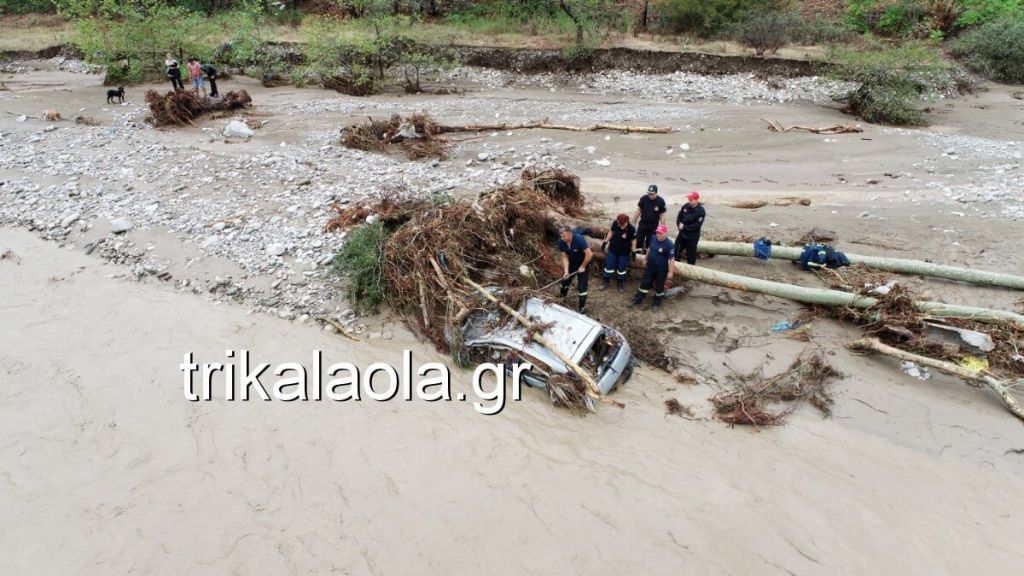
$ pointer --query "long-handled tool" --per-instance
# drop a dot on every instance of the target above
(562, 279)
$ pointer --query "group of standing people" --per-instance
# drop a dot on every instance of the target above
(196, 70)
(624, 242)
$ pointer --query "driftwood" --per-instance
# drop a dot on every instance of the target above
(787, 201)
(592, 389)
(1000, 387)
(898, 265)
(544, 124)
(774, 126)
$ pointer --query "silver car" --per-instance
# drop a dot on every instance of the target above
(587, 342)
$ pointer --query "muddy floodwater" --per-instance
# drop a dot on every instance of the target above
(106, 468)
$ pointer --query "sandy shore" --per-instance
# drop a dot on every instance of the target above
(105, 468)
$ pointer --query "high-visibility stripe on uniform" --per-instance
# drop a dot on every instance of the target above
(622, 272)
(610, 270)
(659, 294)
(582, 294)
(644, 291)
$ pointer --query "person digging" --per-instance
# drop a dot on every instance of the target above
(650, 213)
(619, 246)
(658, 269)
(576, 256)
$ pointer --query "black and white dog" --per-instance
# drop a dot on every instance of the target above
(119, 94)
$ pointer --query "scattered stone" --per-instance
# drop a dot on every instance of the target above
(120, 225)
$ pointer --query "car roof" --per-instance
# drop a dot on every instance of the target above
(572, 333)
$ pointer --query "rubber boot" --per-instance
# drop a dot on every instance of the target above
(638, 299)
(622, 285)
(604, 286)
(563, 291)
(656, 305)
(582, 309)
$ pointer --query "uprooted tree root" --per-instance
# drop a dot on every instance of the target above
(417, 136)
(181, 107)
(755, 399)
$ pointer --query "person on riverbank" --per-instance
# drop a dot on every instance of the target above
(689, 221)
(620, 246)
(650, 213)
(174, 73)
(658, 269)
(211, 77)
(195, 74)
(576, 255)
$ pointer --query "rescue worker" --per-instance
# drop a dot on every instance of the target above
(659, 268)
(689, 221)
(576, 255)
(650, 212)
(619, 246)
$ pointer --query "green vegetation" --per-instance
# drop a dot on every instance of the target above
(893, 81)
(995, 49)
(708, 18)
(360, 260)
(766, 31)
(27, 7)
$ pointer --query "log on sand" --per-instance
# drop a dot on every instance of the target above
(545, 125)
(899, 265)
(1000, 387)
(826, 297)
(774, 126)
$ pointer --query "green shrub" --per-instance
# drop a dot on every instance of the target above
(707, 17)
(360, 260)
(765, 31)
(27, 7)
(995, 50)
(985, 11)
(892, 81)
(824, 31)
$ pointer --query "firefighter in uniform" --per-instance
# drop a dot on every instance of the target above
(619, 246)
(576, 255)
(659, 267)
(650, 212)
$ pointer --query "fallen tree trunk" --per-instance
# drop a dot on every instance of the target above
(826, 297)
(774, 126)
(544, 124)
(977, 376)
(898, 265)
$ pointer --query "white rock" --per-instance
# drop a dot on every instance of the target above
(69, 220)
(684, 146)
(237, 129)
(276, 249)
(603, 162)
(22, 118)
(483, 156)
(591, 149)
(120, 225)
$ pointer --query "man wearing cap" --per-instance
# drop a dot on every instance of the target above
(689, 221)
(576, 255)
(659, 268)
(650, 212)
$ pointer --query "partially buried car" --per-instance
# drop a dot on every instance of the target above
(596, 347)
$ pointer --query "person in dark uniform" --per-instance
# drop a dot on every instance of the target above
(174, 75)
(689, 221)
(211, 75)
(576, 255)
(619, 246)
(650, 212)
(658, 269)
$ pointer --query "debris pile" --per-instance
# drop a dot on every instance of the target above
(181, 107)
(417, 136)
(755, 398)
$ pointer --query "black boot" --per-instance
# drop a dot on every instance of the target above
(656, 305)
(605, 284)
(638, 299)
(563, 292)
(582, 309)
(622, 285)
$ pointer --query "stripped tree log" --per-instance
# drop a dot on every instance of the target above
(826, 297)
(899, 265)
(774, 126)
(981, 377)
(544, 124)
